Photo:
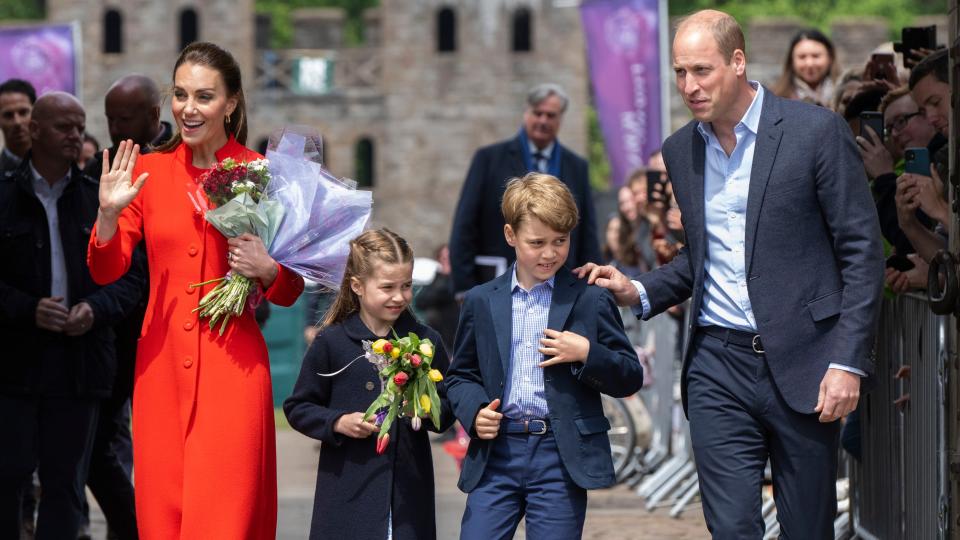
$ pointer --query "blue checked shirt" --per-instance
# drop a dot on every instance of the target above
(525, 394)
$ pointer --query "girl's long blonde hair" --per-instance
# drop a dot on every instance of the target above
(366, 250)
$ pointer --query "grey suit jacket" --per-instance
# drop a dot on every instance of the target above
(814, 258)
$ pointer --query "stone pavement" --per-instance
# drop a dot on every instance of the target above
(613, 514)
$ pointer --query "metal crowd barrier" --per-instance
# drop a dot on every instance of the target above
(899, 488)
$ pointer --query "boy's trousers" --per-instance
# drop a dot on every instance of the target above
(525, 477)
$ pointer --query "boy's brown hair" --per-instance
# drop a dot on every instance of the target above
(539, 196)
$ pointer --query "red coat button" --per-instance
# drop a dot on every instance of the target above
(193, 250)
(190, 290)
(188, 325)
(187, 363)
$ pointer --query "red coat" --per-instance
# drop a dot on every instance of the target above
(203, 430)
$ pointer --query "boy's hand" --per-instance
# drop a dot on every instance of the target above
(487, 424)
(563, 347)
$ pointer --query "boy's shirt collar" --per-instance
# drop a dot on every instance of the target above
(514, 282)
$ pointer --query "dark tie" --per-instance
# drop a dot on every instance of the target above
(539, 158)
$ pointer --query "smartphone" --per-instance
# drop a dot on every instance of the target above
(917, 161)
(915, 37)
(883, 67)
(874, 119)
(656, 187)
(899, 262)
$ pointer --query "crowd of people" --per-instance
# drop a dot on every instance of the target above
(102, 244)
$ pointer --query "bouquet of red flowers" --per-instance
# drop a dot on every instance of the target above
(408, 383)
(237, 189)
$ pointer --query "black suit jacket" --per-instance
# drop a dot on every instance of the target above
(478, 222)
(25, 275)
(814, 259)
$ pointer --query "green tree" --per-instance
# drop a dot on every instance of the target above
(280, 10)
(21, 9)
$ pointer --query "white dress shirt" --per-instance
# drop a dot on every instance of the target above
(726, 186)
(48, 196)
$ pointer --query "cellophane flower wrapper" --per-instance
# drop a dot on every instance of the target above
(321, 213)
(408, 383)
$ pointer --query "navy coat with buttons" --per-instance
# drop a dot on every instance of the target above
(356, 488)
(482, 364)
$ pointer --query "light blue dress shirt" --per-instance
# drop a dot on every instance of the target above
(525, 394)
(726, 185)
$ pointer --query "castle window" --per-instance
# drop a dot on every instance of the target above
(189, 27)
(363, 163)
(446, 30)
(112, 32)
(522, 30)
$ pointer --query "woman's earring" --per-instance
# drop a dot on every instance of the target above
(228, 118)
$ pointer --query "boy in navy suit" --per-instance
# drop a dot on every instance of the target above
(534, 349)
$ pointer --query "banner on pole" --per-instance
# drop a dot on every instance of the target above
(623, 50)
(45, 55)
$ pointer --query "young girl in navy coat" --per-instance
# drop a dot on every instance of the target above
(359, 493)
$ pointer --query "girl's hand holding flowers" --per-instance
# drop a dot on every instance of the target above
(354, 426)
(248, 257)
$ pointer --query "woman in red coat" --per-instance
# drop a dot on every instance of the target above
(204, 443)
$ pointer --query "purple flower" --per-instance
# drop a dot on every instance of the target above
(381, 415)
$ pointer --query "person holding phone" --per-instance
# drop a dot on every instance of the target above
(905, 128)
(930, 88)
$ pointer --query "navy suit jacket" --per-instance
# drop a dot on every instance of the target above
(814, 258)
(478, 222)
(481, 366)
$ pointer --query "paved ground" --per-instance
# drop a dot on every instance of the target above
(614, 514)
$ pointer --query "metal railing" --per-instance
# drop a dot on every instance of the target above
(899, 488)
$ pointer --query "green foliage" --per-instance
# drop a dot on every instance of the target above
(280, 14)
(596, 154)
(21, 9)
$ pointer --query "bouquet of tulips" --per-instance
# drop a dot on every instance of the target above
(408, 383)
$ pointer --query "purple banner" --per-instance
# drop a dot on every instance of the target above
(623, 48)
(44, 55)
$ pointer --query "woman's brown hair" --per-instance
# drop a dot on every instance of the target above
(366, 250)
(204, 53)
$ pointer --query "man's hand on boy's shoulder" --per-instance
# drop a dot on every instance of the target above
(608, 277)
(563, 347)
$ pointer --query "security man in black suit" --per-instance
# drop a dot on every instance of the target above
(478, 251)
(55, 322)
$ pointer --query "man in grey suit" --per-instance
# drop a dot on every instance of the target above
(784, 266)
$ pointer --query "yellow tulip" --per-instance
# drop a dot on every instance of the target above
(425, 403)
(426, 350)
(435, 375)
(395, 353)
(378, 346)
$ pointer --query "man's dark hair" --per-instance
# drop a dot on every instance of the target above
(935, 64)
(867, 99)
(19, 86)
